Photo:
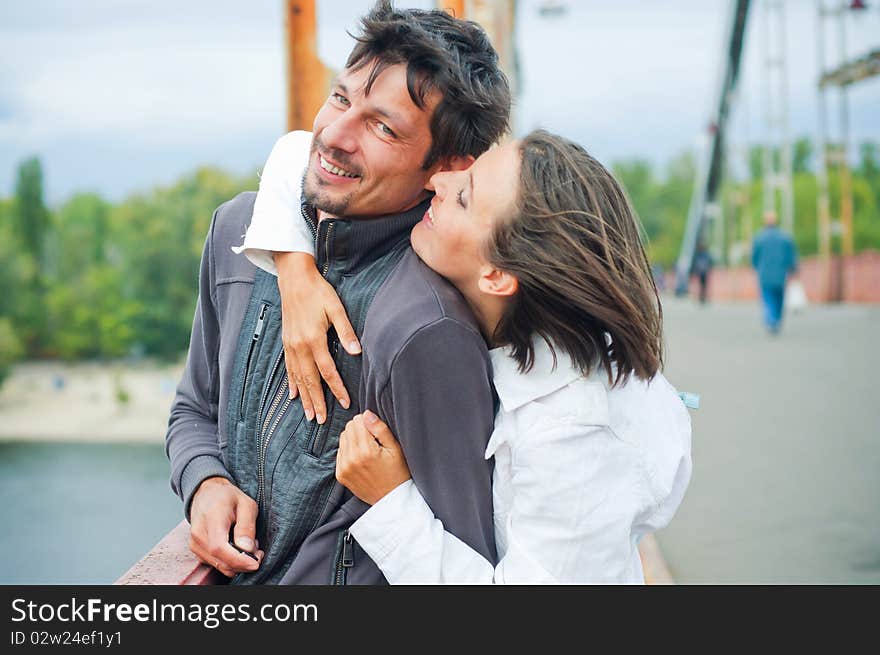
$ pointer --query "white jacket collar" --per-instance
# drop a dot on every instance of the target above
(516, 389)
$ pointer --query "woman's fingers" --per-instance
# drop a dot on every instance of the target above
(379, 430)
(339, 319)
(291, 363)
(327, 369)
(369, 469)
(309, 306)
(309, 381)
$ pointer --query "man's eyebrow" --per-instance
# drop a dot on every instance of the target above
(395, 118)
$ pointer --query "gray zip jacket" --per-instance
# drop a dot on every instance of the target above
(424, 370)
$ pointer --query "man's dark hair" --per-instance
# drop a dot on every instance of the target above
(444, 53)
(574, 245)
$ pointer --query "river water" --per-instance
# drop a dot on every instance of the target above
(76, 513)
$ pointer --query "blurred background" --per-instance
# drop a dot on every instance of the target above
(124, 124)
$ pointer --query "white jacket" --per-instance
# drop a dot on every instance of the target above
(582, 473)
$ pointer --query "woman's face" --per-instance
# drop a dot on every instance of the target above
(466, 204)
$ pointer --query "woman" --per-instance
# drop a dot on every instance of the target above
(591, 443)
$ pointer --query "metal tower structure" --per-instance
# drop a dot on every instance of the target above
(834, 157)
(707, 183)
(777, 156)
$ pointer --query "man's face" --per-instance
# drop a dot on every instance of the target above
(367, 150)
(466, 206)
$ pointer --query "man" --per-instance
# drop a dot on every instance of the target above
(774, 257)
(421, 92)
(702, 267)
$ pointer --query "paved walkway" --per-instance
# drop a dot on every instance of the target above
(786, 485)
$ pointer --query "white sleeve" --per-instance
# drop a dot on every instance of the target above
(576, 494)
(277, 223)
(409, 545)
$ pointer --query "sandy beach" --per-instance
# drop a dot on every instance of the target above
(89, 402)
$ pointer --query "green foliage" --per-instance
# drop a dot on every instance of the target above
(118, 279)
(162, 236)
(10, 348)
(120, 393)
(802, 155)
(662, 203)
(30, 223)
(32, 217)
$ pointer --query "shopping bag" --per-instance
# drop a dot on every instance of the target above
(795, 296)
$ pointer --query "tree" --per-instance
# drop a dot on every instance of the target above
(756, 162)
(31, 225)
(32, 217)
(10, 348)
(802, 153)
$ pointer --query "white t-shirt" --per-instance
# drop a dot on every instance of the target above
(277, 223)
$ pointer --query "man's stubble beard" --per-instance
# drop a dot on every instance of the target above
(317, 198)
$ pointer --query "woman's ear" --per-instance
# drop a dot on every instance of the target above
(495, 282)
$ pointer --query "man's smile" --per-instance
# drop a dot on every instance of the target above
(335, 171)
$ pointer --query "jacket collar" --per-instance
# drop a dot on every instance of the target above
(348, 244)
(515, 389)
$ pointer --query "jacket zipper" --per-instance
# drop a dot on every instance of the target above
(327, 248)
(346, 559)
(263, 440)
(270, 380)
(258, 330)
(274, 413)
(272, 418)
(314, 441)
(266, 437)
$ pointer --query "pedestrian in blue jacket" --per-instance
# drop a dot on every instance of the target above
(774, 257)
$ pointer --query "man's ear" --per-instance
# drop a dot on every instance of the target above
(495, 282)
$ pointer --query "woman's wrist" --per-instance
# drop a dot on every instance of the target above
(294, 262)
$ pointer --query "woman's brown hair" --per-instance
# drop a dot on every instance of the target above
(575, 247)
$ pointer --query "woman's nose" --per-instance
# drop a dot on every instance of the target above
(437, 183)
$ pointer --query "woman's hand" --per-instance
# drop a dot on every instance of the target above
(309, 306)
(370, 462)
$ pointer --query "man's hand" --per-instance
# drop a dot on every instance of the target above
(309, 306)
(370, 461)
(217, 506)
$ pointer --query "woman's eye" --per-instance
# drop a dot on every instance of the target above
(340, 99)
(461, 199)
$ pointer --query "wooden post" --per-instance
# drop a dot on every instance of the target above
(846, 203)
(454, 7)
(498, 18)
(308, 79)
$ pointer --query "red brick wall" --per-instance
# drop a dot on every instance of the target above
(860, 276)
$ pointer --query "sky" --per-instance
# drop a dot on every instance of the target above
(120, 96)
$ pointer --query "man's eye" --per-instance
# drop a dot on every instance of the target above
(340, 99)
(387, 131)
(461, 199)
